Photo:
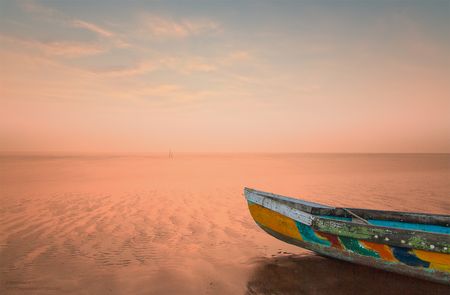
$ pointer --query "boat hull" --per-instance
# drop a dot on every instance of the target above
(418, 263)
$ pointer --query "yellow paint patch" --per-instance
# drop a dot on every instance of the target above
(438, 261)
(275, 221)
(383, 250)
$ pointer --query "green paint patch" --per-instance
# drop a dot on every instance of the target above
(348, 230)
(353, 245)
(417, 242)
(309, 235)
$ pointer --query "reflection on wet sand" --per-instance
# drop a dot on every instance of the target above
(313, 274)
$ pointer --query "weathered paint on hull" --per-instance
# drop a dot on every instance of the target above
(419, 263)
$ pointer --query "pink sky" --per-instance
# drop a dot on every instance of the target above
(241, 77)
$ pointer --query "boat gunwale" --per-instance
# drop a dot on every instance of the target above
(321, 209)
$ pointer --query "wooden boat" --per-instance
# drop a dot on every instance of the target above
(414, 244)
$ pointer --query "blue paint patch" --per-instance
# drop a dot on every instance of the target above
(412, 226)
(400, 225)
(336, 218)
(309, 235)
(404, 255)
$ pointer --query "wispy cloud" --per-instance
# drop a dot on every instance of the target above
(39, 77)
(131, 70)
(169, 94)
(117, 40)
(164, 27)
(188, 64)
(58, 48)
(92, 27)
(38, 9)
(180, 65)
(69, 49)
(57, 16)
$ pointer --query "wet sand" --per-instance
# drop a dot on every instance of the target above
(312, 274)
(93, 224)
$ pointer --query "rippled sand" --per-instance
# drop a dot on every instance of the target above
(155, 225)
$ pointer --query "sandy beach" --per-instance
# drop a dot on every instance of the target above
(98, 224)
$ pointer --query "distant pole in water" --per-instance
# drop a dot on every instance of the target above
(170, 154)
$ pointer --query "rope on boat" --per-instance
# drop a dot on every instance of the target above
(357, 216)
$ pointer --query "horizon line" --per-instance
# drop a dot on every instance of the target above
(135, 153)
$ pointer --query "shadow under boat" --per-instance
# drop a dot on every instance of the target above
(313, 274)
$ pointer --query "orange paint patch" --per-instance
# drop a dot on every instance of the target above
(275, 221)
(437, 261)
(383, 250)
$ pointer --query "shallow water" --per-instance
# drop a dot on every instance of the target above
(91, 224)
